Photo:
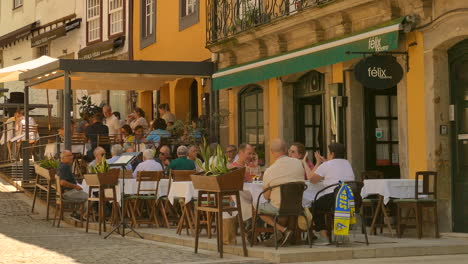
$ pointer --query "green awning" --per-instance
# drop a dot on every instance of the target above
(377, 39)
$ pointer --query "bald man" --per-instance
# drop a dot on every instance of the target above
(111, 121)
(72, 191)
(284, 170)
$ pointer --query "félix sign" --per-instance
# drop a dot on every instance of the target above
(378, 72)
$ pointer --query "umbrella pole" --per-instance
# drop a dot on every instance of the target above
(48, 111)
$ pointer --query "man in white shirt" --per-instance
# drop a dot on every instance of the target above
(284, 170)
(330, 171)
(111, 121)
(148, 164)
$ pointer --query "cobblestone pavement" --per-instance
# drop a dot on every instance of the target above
(25, 238)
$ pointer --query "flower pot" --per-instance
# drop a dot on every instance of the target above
(231, 181)
(48, 174)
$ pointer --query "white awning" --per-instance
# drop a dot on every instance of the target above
(12, 73)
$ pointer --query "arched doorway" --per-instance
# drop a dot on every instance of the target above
(458, 65)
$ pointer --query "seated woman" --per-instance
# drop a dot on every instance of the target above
(159, 130)
(139, 135)
(127, 134)
(297, 150)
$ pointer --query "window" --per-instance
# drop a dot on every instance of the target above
(148, 23)
(251, 118)
(189, 13)
(116, 17)
(17, 3)
(42, 51)
(93, 20)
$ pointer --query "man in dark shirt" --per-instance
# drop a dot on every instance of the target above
(92, 132)
(182, 162)
(72, 191)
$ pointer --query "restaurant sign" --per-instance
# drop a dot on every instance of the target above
(101, 49)
(378, 72)
(55, 33)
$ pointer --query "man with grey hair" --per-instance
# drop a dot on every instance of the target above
(283, 170)
(116, 152)
(182, 162)
(148, 164)
(72, 191)
(99, 154)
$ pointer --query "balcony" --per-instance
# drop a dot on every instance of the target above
(227, 18)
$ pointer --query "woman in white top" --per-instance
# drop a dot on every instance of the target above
(166, 114)
(137, 118)
(330, 171)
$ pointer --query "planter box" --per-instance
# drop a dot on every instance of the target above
(48, 174)
(231, 181)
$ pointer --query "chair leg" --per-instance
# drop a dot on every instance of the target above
(241, 224)
(87, 213)
(419, 221)
(436, 221)
(34, 195)
(275, 232)
(57, 208)
(219, 204)
(309, 234)
(363, 226)
(60, 215)
(163, 213)
(49, 187)
(254, 225)
(208, 225)
(197, 229)
(399, 231)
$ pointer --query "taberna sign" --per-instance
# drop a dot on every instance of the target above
(378, 72)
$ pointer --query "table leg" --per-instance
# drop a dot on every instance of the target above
(385, 215)
(376, 213)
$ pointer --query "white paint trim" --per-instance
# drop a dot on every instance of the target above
(332, 44)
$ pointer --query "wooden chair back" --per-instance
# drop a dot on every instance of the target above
(79, 139)
(429, 184)
(372, 175)
(149, 176)
(291, 198)
(109, 178)
(181, 175)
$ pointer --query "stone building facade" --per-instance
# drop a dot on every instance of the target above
(262, 49)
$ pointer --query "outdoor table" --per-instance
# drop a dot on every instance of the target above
(131, 187)
(183, 189)
(386, 189)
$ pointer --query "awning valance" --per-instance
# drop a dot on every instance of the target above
(377, 39)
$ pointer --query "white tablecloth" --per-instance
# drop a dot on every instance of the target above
(51, 149)
(182, 189)
(395, 188)
(131, 187)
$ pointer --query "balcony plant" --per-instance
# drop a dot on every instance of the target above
(216, 176)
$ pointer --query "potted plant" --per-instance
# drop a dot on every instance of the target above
(216, 176)
(46, 168)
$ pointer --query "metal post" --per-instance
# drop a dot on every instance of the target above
(67, 110)
(26, 136)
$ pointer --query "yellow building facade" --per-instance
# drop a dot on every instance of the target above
(171, 31)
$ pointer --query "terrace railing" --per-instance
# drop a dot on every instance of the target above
(226, 18)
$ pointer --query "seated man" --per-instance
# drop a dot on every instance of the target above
(231, 153)
(245, 156)
(116, 152)
(332, 170)
(193, 155)
(164, 158)
(182, 162)
(72, 191)
(283, 170)
(148, 164)
(99, 153)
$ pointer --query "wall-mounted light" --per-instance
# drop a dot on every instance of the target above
(204, 81)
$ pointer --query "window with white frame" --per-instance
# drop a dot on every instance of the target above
(189, 7)
(148, 23)
(17, 3)
(189, 13)
(116, 17)
(93, 20)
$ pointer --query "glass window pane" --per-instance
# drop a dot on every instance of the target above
(394, 106)
(317, 139)
(260, 100)
(251, 136)
(250, 119)
(261, 136)
(260, 118)
(381, 106)
(394, 130)
(318, 114)
(395, 156)
(381, 132)
(309, 137)
(382, 158)
(251, 102)
(308, 115)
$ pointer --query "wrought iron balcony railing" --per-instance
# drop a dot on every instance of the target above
(226, 18)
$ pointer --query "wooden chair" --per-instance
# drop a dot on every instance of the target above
(61, 204)
(106, 142)
(291, 205)
(369, 204)
(78, 139)
(102, 182)
(44, 181)
(148, 196)
(356, 187)
(186, 209)
(416, 205)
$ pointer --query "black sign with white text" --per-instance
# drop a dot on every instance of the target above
(378, 72)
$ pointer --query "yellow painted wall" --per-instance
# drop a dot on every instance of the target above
(164, 94)
(273, 103)
(337, 76)
(172, 44)
(417, 148)
(232, 116)
(145, 102)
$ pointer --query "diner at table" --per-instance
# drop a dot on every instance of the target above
(148, 164)
(182, 162)
(99, 154)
